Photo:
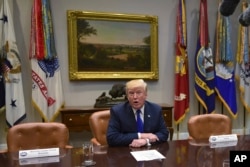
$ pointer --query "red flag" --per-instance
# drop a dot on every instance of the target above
(181, 105)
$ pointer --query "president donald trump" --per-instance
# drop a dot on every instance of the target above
(136, 122)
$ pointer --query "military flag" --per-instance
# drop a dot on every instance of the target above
(11, 76)
(181, 103)
(242, 70)
(224, 66)
(204, 64)
(47, 94)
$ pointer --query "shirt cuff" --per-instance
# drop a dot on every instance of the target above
(139, 135)
(148, 143)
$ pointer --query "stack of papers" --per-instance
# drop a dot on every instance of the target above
(147, 155)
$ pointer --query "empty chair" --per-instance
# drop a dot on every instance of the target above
(37, 135)
(98, 123)
(201, 127)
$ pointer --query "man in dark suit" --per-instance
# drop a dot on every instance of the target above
(123, 129)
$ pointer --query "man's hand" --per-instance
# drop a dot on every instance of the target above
(138, 143)
(150, 136)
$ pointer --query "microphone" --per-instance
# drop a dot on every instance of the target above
(244, 17)
(227, 7)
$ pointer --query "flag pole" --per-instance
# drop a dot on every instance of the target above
(222, 108)
(199, 112)
(244, 120)
(178, 132)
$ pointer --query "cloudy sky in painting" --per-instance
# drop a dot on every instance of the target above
(118, 32)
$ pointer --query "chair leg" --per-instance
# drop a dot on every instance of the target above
(171, 132)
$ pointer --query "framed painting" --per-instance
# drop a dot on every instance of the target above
(112, 46)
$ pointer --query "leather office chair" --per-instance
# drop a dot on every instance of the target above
(37, 135)
(98, 122)
(201, 127)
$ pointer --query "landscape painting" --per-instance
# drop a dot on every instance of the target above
(112, 46)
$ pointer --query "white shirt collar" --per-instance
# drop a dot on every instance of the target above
(142, 110)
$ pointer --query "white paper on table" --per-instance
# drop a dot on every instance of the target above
(147, 155)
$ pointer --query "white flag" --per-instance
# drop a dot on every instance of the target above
(14, 98)
(47, 94)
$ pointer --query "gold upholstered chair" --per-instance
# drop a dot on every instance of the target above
(37, 135)
(98, 123)
(201, 127)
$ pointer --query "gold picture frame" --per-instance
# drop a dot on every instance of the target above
(112, 46)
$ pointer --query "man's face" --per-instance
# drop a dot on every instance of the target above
(136, 97)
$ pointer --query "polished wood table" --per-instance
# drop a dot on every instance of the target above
(178, 153)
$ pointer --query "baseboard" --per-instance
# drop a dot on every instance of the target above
(3, 146)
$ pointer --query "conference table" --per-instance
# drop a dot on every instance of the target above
(177, 153)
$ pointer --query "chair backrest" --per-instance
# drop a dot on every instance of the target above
(203, 126)
(98, 122)
(37, 135)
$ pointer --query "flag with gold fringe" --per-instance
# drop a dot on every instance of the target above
(224, 66)
(181, 103)
(11, 74)
(47, 94)
(204, 64)
(242, 70)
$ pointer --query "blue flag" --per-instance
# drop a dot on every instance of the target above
(204, 65)
(225, 82)
(204, 78)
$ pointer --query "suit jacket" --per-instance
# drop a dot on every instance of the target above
(122, 127)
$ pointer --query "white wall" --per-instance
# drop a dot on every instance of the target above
(85, 92)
